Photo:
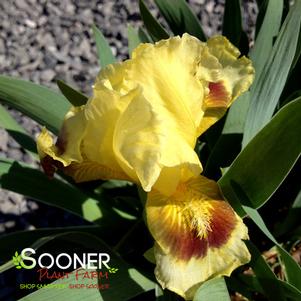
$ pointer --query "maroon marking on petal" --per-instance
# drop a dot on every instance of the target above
(186, 244)
(191, 245)
(218, 95)
(61, 141)
(222, 224)
(50, 166)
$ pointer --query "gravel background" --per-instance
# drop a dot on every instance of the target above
(44, 41)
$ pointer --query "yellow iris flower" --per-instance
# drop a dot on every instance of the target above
(141, 125)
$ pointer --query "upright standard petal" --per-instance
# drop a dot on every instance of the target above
(67, 149)
(156, 135)
(144, 144)
(226, 75)
(198, 236)
(166, 71)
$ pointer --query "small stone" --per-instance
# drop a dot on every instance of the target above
(2, 60)
(42, 21)
(47, 75)
(86, 16)
(30, 227)
(2, 46)
(15, 154)
(27, 158)
(30, 23)
(46, 39)
(2, 228)
(31, 66)
(12, 143)
(21, 4)
(85, 48)
(11, 203)
(9, 224)
(31, 205)
(63, 39)
(23, 56)
(3, 140)
(70, 8)
(49, 60)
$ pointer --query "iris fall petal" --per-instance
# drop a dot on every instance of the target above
(198, 236)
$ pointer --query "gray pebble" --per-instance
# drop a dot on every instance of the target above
(12, 203)
(3, 140)
(15, 153)
(47, 75)
(2, 46)
(12, 144)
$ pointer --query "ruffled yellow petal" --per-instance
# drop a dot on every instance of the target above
(156, 135)
(237, 72)
(102, 113)
(227, 76)
(144, 143)
(114, 77)
(48, 153)
(67, 149)
(166, 71)
(90, 171)
(198, 236)
(45, 145)
(84, 149)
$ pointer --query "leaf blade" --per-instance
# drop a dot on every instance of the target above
(75, 97)
(180, 18)
(153, 27)
(105, 54)
(268, 87)
(232, 25)
(16, 131)
(135, 38)
(213, 290)
(292, 268)
(39, 103)
(24, 180)
(261, 174)
(268, 31)
(235, 122)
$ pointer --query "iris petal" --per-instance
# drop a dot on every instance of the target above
(198, 236)
(227, 76)
(144, 142)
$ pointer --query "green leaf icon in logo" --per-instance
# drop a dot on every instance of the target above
(113, 270)
(17, 260)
